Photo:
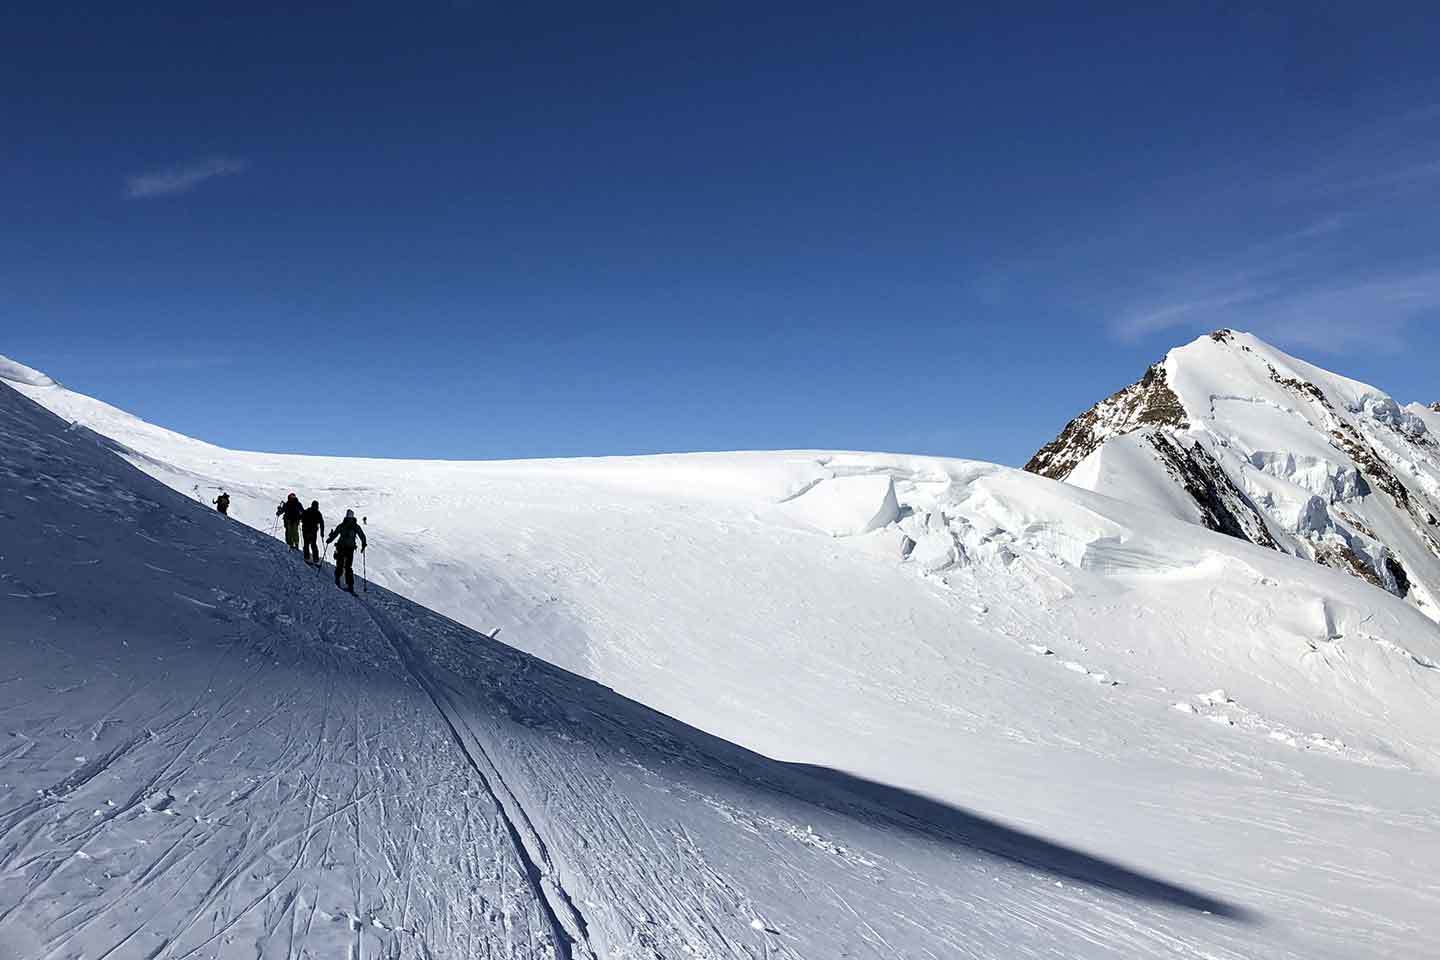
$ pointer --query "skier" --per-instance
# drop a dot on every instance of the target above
(291, 511)
(312, 522)
(344, 537)
(222, 503)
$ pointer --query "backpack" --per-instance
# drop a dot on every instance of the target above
(347, 533)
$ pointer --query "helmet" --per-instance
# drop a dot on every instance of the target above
(349, 514)
(315, 503)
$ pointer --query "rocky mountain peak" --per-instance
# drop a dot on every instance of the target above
(1148, 402)
(1234, 435)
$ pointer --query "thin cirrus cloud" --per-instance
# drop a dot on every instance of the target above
(1373, 309)
(1313, 286)
(182, 178)
(1358, 267)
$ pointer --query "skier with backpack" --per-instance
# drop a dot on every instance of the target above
(290, 511)
(222, 503)
(344, 537)
(312, 523)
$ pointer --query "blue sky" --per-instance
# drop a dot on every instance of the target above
(462, 231)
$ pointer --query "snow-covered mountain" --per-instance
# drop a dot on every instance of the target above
(1233, 434)
(948, 709)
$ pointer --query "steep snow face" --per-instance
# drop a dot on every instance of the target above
(1143, 689)
(1251, 442)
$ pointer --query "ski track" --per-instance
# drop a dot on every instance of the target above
(567, 924)
(228, 873)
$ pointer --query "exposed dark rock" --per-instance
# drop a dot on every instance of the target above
(1347, 440)
(1397, 571)
(1150, 402)
(1345, 558)
(1224, 507)
(1354, 446)
(1303, 387)
(1354, 522)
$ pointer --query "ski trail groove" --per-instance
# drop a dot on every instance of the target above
(567, 923)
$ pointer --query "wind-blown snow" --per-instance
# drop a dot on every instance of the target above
(998, 653)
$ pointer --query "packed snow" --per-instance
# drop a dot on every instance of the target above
(818, 704)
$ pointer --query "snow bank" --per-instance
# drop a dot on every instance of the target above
(847, 506)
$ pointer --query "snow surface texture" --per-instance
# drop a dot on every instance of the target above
(1064, 725)
(1233, 434)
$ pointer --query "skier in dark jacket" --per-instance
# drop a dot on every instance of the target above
(344, 537)
(312, 523)
(222, 503)
(291, 510)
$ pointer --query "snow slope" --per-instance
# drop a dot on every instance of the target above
(1231, 433)
(1218, 717)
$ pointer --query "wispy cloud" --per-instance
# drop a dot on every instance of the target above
(1394, 155)
(1369, 309)
(1258, 273)
(1345, 257)
(1188, 309)
(182, 178)
(1373, 310)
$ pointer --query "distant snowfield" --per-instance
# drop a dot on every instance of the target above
(1224, 721)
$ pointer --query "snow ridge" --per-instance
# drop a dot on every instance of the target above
(17, 372)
